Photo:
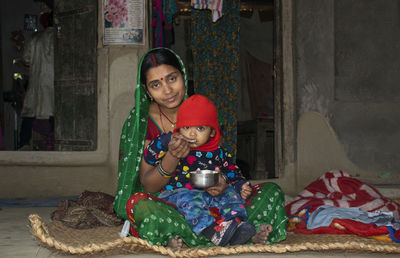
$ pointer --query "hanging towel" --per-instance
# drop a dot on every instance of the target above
(214, 5)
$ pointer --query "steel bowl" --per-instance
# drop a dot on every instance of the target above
(204, 178)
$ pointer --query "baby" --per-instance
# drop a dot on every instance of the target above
(217, 212)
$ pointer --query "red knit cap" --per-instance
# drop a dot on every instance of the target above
(199, 111)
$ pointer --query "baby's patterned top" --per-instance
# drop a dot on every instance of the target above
(157, 148)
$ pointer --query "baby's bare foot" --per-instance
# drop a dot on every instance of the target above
(175, 242)
(262, 234)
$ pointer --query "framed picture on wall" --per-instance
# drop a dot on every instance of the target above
(124, 22)
(30, 22)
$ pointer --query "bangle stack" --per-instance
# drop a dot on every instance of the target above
(225, 177)
(162, 171)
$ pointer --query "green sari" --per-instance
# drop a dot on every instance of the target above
(158, 222)
(131, 145)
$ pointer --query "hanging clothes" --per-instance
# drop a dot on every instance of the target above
(163, 12)
(214, 5)
(170, 9)
(39, 54)
(216, 65)
(157, 23)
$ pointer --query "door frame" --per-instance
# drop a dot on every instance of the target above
(285, 116)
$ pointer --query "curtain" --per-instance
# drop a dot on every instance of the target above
(216, 64)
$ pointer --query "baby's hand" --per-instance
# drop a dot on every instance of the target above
(219, 188)
(246, 191)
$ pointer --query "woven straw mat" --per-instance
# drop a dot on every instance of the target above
(105, 240)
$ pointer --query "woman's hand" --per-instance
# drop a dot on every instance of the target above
(219, 188)
(178, 146)
(246, 191)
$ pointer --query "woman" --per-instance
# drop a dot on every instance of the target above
(161, 88)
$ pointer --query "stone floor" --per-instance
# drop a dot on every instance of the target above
(17, 241)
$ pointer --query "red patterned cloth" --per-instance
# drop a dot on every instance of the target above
(337, 188)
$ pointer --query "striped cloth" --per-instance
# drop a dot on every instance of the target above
(214, 5)
(337, 188)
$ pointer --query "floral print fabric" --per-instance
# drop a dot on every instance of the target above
(216, 64)
(195, 160)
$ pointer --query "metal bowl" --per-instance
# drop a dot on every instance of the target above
(204, 178)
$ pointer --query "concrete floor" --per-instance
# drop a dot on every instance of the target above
(17, 241)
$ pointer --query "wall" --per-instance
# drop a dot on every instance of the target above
(346, 78)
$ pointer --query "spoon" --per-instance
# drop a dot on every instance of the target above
(188, 140)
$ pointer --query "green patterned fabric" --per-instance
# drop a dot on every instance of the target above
(216, 64)
(158, 222)
(131, 145)
(267, 206)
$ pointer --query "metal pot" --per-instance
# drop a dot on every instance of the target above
(204, 178)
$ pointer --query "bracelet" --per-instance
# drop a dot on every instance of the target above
(162, 171)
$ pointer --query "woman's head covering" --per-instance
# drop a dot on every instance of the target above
(132, 141)
(198, 110)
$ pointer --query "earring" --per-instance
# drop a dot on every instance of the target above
(147, 93)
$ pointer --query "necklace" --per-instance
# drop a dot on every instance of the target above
(169, 120)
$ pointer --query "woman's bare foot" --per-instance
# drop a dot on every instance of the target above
(176, 242)
(262, 234)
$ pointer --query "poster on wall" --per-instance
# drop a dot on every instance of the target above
(124, 22)
(30, 22)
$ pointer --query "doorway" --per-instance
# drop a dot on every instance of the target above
(256, 112)
(258, 116)
(70, 124)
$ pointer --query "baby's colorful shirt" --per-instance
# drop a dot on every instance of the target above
(195, 160)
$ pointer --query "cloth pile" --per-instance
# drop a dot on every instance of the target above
(89, 210)
(336, 203)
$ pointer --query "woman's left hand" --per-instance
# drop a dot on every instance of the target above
(219, 188)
